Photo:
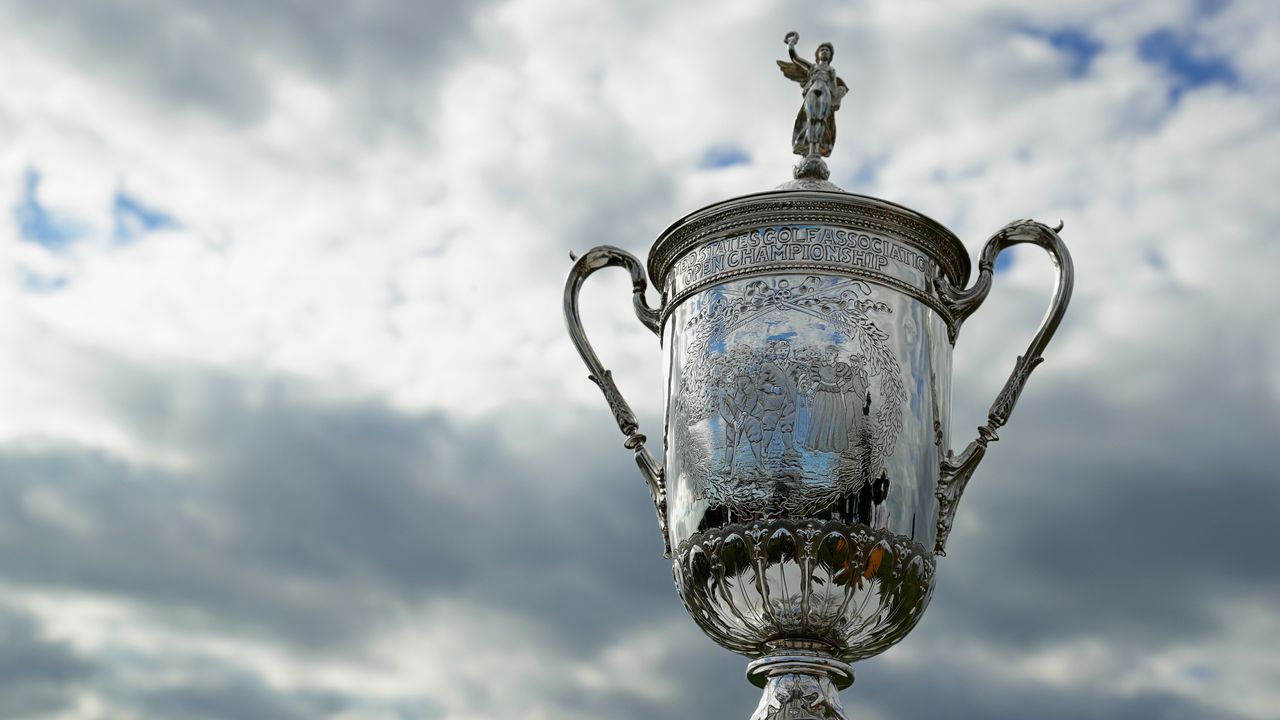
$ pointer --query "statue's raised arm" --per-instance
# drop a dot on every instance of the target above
(798, 68)
(814, 133)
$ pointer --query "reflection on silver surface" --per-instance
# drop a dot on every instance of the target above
(808, 482)
(790, 396)
(754, 585)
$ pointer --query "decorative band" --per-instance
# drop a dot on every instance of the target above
(801, 207)
(871, 276)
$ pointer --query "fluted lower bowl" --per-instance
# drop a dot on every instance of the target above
(855, 589)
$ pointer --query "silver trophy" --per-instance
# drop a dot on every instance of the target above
(807, 486)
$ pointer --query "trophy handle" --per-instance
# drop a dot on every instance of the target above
(957, 469)
(595, 259)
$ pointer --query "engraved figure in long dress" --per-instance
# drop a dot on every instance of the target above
(828, 415)
(778, 397)
(814, 133)
(740, 408)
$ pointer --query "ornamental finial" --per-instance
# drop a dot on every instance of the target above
(815, 130)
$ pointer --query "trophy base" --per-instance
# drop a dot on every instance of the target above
(801, 681)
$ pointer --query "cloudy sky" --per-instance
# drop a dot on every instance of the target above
(290, 426)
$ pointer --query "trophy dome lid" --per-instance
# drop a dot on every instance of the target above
(810, 198)
(798, 203)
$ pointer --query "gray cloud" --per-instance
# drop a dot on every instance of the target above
(928, 690)
(36, 675)
(235, 697)
(366, 506)
(1131, 520)
(220, 58)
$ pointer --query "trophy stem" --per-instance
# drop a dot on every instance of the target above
(801, 681)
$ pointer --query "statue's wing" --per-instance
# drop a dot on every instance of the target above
(794, 71)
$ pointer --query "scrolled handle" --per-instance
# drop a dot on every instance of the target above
(596, 259)
(957, 469)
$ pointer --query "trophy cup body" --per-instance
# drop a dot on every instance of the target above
(808, 365)
(806, 485)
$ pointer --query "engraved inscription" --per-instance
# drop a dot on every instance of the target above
(797, 243)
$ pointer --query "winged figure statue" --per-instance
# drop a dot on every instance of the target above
(815, 129)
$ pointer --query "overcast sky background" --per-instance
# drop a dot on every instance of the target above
(290, 426)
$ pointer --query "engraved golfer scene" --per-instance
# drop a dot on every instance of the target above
(792, 399)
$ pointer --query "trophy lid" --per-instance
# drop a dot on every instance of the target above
(809, 197)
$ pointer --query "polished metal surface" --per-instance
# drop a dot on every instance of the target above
(807, 483)
(596, 259)
(792, 226)
(794, 396)
(800, 680)
(957, 469)
(834, 585)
